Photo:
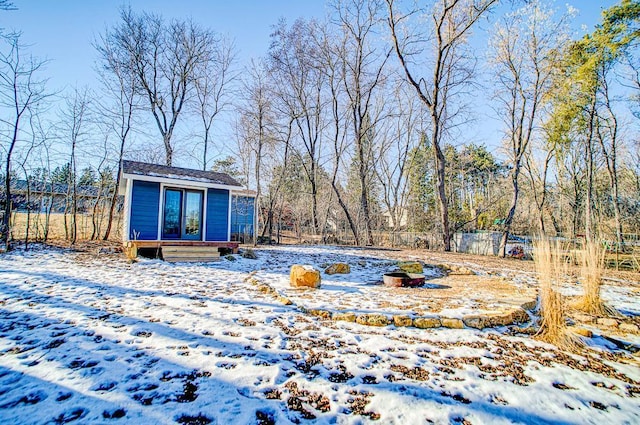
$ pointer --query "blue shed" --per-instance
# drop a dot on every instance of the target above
(179, 207)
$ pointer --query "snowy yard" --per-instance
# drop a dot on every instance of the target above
(95, 339)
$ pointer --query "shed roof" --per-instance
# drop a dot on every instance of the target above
(155, 170)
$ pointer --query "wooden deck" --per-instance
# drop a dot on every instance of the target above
(182, 250)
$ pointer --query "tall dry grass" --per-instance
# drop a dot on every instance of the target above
(591, 270)
(552, 268)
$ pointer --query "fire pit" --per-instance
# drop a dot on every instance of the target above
(403, 279)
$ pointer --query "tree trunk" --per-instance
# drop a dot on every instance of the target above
(442, 195)
(113, 202)
(512, 210)
(589, 160)
(168, 149)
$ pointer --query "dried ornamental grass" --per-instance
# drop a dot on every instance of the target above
(551, 268)
(592, 269)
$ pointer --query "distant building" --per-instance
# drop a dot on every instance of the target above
(39, 196)
(404, 218)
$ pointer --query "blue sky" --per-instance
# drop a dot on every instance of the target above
(62, 31)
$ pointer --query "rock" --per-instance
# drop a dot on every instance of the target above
(284, 300)
(231, 257)
(582, 317)
(530, 305)
(372, 320)
(480, 321)
(492, 320)
(304, 277)
(265, 289)
(323, 314)
(344, 317)
(455, 270)
(460, 270)
(249, 254)
(427, 322)
(629, 327)
(519, 315)
(338, 268)
(402, 320)
(608, 322)
(452, 323)
(582, 332)
(410, 267)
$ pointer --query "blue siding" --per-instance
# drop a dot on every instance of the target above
(145, 203)
(217, 215)
(242, 217)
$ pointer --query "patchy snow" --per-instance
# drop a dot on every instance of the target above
(95, 339)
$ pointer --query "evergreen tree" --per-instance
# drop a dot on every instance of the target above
(87, 177)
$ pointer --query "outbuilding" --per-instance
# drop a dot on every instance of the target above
(183, 214)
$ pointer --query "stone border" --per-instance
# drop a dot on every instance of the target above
(476, 321)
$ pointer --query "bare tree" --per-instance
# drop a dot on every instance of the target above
(21, 89)
(363, 67)
(117, 74)
(538, 182)
(212, 80)
(74, 120)
(255, 130)
(299, 83)
(164, 59)
(450, 70)
(402, 135)
(525, 49)
(332, 47)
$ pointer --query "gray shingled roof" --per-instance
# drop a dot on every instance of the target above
(155, 170)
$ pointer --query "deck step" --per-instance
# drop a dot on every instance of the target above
(190, 253)
(190, 249)
(206, 259)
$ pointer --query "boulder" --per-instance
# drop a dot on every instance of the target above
(338, 268)
(304, 277)
(410, 267)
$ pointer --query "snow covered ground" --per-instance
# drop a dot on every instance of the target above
(96, 339)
